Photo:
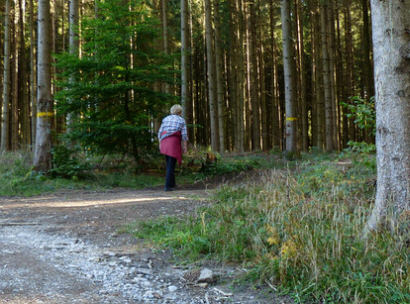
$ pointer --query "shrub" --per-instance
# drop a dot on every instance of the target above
(363, 112)
(66, 165)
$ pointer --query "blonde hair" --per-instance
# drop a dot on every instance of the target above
(176, 109)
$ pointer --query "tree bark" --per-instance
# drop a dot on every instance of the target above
(219, 78)
(326, 79)
(6, 80)
(332, 73)
(339, 71)
(254, 85)
(14, 82)
(367, 61)
(74, 44)
(262, 81)
(213, 110)
(277, 117)
(289, 75)
(237, 74)
(391, 48)
(302, 76)
(164, 3)
(42, 153)
(33, 102)
(23, 87)
(317, 78)
(184, 56)
(349, 89)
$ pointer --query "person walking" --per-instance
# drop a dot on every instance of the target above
(173, 130)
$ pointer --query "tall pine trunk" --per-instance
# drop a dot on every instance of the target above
(302, 76)
(254, 85)
(289, 75)
(318, 78)
(213, 109)
(276, 121)
(6, 80)
(184, 58)
(14, 83)
(332, 72)
(73, 44)
(237, 73)
(349, 89)
(327, 83)
(33, 101)
(23, 87)
(219, 78)
(42, 152)
(166, 86)
(367, 62)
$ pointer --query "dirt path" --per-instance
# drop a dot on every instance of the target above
(64, 248)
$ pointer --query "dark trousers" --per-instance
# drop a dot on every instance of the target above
(170, 177)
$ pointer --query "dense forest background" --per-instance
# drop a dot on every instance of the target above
(118, 65)
(259, 75)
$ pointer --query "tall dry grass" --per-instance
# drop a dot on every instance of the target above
(300, 232)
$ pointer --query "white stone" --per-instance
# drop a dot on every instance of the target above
(172, 288)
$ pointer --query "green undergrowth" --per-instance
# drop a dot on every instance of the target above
(78, 170)
(18, 179)
(300, 231)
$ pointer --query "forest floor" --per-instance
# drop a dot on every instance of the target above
(67, 247)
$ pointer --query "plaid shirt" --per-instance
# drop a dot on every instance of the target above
(173, 123)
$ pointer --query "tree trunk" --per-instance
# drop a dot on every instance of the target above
(313, 36)
(237, 73)
(367, 62)
(276, 123)
(14, 122)
(213, 110)
(318, 100)
(289, 75)
(391, 48)
(74, 44)
(349, 89)
(256, 138)
(241, 77)
(14, 82)
(42, 153)
(219, 78)
(167, 87)
(6, 81)
(339, 71)
(302, 76)
(326, 79)
(332, 72)
(261, 72)
(23, 88)
(33, 102)
(184, 57)
(247, 62)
